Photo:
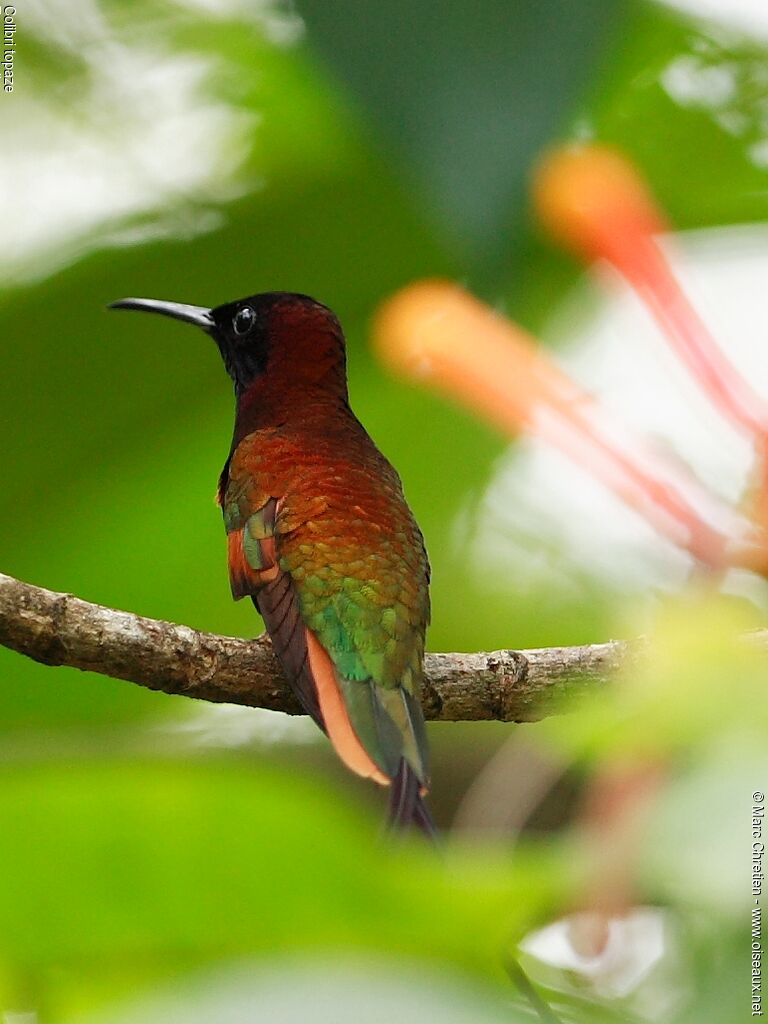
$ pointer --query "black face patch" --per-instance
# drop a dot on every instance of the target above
(242, 333)
(240, 330)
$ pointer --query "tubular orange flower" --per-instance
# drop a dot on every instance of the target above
(436, 332)
(592, 199)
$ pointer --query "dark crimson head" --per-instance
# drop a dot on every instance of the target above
(275, 339)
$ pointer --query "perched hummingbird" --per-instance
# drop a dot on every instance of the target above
(321, 538)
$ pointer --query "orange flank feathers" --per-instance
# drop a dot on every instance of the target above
(243, 577)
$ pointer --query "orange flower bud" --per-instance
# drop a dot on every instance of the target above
(592, 199)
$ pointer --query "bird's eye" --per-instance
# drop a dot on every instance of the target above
(243, 320)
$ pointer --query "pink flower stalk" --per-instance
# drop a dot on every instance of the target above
(612, 820)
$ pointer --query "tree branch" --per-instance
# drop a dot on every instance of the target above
(508, 686)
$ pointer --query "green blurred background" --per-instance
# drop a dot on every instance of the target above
(200, 151)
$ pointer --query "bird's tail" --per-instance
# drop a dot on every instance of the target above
(406, 804)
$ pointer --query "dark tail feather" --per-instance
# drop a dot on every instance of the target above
(406, 804)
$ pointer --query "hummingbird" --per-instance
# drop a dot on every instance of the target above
(320, 537)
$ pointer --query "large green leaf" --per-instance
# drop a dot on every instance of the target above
(153, 867)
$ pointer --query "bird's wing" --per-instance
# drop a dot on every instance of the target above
(348, 630)
(254, 572)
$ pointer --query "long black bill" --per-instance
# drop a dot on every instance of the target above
(197, 315)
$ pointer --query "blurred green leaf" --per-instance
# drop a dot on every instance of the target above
(155, 866)
(338, 993)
